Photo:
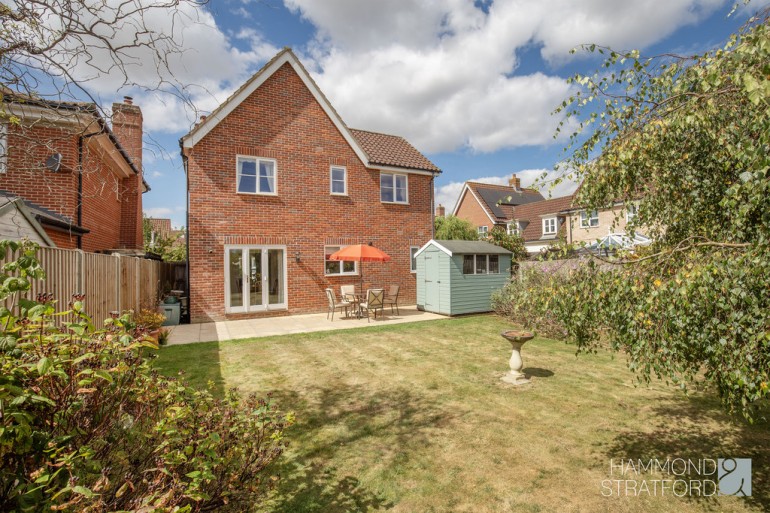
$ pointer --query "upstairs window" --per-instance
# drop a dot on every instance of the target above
(394, 188)
(339, 180)
(513, 228)
(631, 212)
(549, 226)
(3, 148)
(483, 230)
(256, 176)
(589, 219)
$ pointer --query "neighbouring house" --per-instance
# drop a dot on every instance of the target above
(277, 182)
(542, 223)
(80, 179)
(488, 205)
(588, 226)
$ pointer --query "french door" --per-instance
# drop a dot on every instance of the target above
(255, 278)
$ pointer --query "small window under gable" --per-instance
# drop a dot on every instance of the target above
(256, 175)
(394, 188)
(483, 230)
(549, 226)
(338, 176)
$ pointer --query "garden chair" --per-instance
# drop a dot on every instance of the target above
(374, 301)
(391, 298)
(348, 293)
(334, 304)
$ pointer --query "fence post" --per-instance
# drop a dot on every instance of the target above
(118, 279)
(79, 279)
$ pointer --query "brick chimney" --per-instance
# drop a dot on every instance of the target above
(515, 182)
(127, 127)
(440, 211)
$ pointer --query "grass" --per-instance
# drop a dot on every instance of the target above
(414, 418)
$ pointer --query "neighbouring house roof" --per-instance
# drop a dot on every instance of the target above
(45, 216)
(531, 215)
(498, 201)
(392, 150)
(395, 151)
(160, 226)
(465, 247)
(90, 109)
(18, 205)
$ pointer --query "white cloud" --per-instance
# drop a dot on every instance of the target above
(448, 194)
(443, 73)
(161, 212)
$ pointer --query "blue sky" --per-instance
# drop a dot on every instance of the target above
(470, 84)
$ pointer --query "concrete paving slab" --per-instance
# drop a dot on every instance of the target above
(293, 324)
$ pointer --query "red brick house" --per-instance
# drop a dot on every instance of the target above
(542, 223)
(80, 178)
(277, 182)
(486, 205)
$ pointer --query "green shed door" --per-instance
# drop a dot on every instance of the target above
(432, 292)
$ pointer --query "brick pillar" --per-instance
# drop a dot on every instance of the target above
(440, 211)
(127, 127)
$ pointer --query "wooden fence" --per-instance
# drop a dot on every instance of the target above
(109, 282)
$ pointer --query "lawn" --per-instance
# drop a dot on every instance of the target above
(414, 418)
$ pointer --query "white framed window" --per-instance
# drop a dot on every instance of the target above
(256, 175)
(513, 228)
(394, 188)
(589, 219)
(481, 264)
(549, 226)
(631, 212)
(338, 267)
(483, 230)
(3, 148)
(338, 180)
(412, 259)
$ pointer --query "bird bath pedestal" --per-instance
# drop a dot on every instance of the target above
(517, 339)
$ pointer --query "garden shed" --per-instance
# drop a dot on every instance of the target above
(457, 277)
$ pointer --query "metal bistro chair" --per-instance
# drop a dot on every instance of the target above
(391, 298)
(374, 301)
(348, 293)
(334, 304)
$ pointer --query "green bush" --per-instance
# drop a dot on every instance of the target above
(87, 425)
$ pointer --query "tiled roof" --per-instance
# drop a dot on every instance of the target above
(161, 226)
(490, 194)
(391, 150)
(532, 214)
(467, 247)
(44, 215)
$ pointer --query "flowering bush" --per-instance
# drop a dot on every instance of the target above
(87, 425)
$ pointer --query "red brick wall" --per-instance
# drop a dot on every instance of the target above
(127, 124)
(27, 177)
(282, 121)
(470, 210)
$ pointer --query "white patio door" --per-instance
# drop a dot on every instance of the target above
(255, 278)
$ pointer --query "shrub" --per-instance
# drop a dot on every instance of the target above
(87, 425)
(149, 319)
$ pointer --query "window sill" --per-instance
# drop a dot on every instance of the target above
(340, 275)
(338, 194)
(395, 202)
(257, 193)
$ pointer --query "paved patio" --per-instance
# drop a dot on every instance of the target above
(270, 326)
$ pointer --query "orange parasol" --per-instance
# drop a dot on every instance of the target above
(360, 253)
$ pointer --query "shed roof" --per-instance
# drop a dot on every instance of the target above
(465, 247)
